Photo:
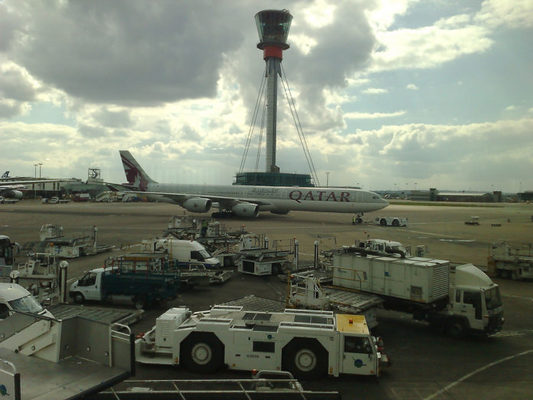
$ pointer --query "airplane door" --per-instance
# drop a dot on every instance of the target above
(358, 356)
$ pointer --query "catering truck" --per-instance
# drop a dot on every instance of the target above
(460, 299)
(141, 279)
(305, 342)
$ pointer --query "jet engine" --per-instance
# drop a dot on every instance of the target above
(197, 204)
(245, 210)
(13, 194)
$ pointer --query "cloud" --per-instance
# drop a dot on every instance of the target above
(375, 91)
(92, 131)
(114, 119)
(359, 115)
(428, 47)
(126, 52)
(411, 86)
(511, 13)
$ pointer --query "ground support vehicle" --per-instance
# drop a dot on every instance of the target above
(384, 247)
(5, 200)
(54, 242)
(49, 358)
(211, 234)
(512, 262)
(182, 251)
(305, 342)
(459, 298)
(307, 289)
(8, 249)
(474, 220)
(257, 257)
(196, 265)
(390, 221)
(141, 279)
(40, 274)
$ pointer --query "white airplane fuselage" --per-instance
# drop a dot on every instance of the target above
(247, 201)
(284, 199)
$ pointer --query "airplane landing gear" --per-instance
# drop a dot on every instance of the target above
(357, 219)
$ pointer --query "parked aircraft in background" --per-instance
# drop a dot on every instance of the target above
(12, 189)
(247, 201)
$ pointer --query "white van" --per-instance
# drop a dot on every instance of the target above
(14, 298)
(184, 251)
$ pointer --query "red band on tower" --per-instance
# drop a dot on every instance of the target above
(272, 51)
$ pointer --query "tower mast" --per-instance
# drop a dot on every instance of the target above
(273, 28)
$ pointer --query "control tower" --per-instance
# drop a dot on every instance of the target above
(273, 29)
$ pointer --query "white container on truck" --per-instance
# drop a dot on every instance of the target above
(460, 299)
(304, 342)
(415, 279)
(183, 251)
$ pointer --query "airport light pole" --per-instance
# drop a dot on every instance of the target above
(273, 28)
(35, 176)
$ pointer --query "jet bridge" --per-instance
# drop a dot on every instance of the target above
(46, 358)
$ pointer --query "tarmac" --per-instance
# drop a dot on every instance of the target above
(426, 364)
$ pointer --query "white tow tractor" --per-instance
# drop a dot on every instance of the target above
(307, 343)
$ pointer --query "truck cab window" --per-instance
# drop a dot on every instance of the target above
(88, 280)
(195, 255)
(473, 298)
(357, 345)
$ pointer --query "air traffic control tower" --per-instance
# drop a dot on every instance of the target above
(273, 28)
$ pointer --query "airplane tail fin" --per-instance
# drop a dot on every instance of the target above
(134, 173)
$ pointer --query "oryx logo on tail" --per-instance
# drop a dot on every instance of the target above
(134, 173)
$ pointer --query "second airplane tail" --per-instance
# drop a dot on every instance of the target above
(134, 173)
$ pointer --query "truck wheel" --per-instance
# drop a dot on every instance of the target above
(202, 352)
(359, 221)
(383, 222)
(305, 359)
(78, 298)
(395, 223)
(456, 328)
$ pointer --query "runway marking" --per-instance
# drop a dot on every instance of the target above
(492, 364)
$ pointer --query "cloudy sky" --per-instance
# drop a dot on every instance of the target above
(390, 93)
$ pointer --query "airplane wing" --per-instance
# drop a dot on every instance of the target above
(223, 200)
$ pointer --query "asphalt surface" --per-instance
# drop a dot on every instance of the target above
(426, 364)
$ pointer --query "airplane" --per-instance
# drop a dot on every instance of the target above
(12, 189)
(248, 201)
